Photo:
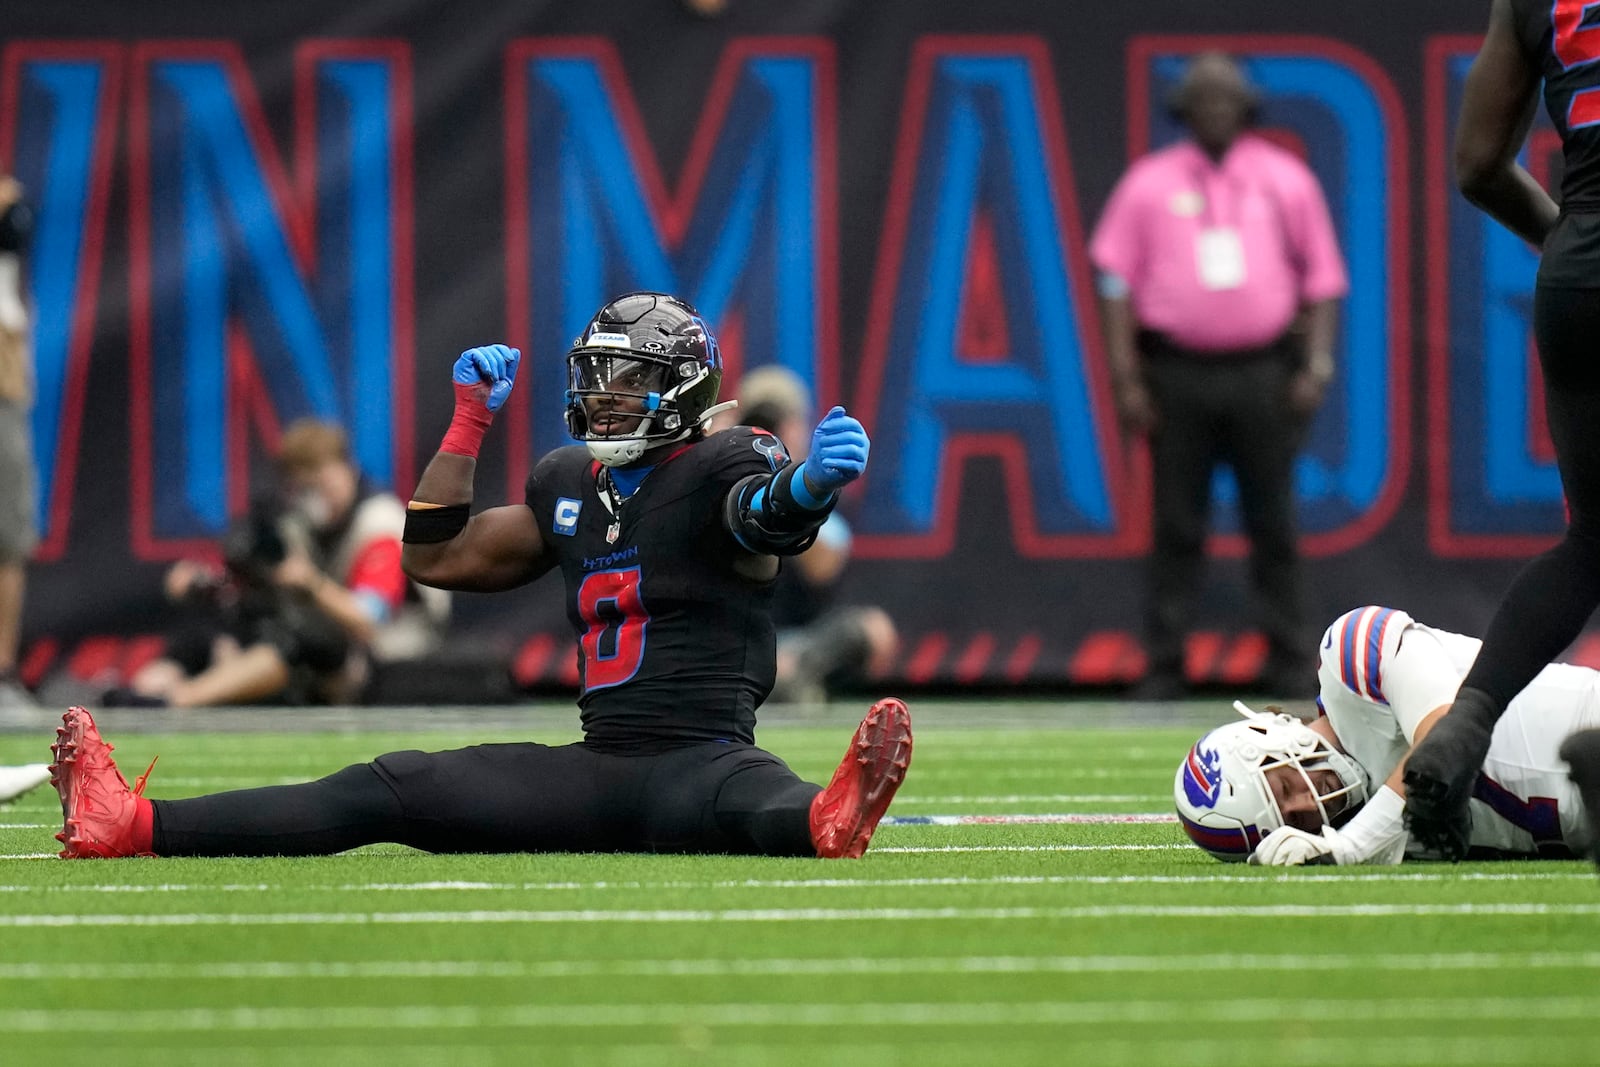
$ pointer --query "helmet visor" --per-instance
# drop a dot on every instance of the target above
(601, 371)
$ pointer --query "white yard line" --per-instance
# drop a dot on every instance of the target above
(778, 915)
(1326, 1050)
(710, 968)
(1243, 1011)
(1290, 877)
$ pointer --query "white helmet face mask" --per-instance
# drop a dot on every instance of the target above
(1225, 802)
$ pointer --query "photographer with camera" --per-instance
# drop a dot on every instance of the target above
(304, 600)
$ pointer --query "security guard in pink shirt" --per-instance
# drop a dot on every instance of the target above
(1219, 281)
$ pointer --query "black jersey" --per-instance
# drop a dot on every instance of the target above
(1556, 36)
(674, 645)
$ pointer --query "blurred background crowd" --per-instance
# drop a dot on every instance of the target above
(1173, 346)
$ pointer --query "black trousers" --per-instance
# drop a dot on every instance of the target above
(1550, 602)
(1229, 409)
(702, 798)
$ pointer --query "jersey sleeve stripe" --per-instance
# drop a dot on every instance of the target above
(1347, 649)
(1374, 669)
(1361, 636)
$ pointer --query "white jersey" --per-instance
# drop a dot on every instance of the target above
(1381, 674)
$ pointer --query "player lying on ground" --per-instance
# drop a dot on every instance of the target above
(1280, 791)
(668, 541)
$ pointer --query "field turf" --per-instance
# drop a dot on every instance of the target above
(1050, 943)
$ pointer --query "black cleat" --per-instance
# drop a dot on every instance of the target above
(1441, 773)
(1582, 753)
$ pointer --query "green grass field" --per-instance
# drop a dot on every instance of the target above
(973, 944)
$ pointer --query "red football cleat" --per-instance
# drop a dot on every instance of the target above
(99, 811)
(844, 815)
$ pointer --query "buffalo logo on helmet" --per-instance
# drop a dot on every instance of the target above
(1202, 775)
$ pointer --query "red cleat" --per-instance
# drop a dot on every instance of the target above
(844, 815)
(99, 811)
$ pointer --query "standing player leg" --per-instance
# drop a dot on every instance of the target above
(1582, 753)
(1547, 605)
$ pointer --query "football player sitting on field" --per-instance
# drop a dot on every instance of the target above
(667, 541)
(1278, 791)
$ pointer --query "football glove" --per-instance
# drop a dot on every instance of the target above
(493, 367)
(1289, 847)
(838, 455)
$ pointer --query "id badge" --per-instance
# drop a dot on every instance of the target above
(1219, 256)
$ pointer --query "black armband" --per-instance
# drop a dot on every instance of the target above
(762, 515)
(429, 526)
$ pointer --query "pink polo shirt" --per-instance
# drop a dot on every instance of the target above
(1153, 223)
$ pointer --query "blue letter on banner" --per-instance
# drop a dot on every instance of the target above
(981, 189)
(224, 284)
(63, 98)
(747, 234)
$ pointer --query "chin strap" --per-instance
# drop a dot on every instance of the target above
(716, 409)
(1250, 713)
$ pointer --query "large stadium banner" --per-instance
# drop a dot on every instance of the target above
(251, 213)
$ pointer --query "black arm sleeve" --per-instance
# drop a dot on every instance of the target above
(761, 513)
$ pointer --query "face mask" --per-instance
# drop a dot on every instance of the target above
(314, 508)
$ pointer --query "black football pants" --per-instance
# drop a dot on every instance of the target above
(1553, 597)
(711, 798)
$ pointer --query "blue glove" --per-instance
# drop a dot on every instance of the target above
(838, 454)
(492, 366)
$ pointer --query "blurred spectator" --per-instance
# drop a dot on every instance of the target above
(1219, 281)
(17, 532)
(306, 596)
(821, 647)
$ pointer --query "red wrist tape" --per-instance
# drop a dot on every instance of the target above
(470, 423)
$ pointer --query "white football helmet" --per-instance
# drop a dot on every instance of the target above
(1225, 802)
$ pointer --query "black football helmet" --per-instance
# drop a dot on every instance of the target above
(644, 346)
